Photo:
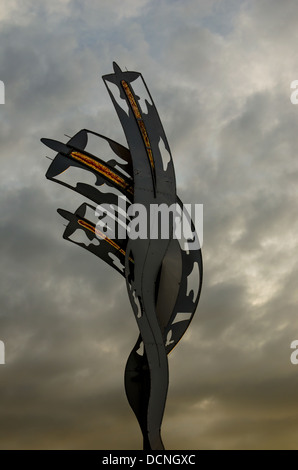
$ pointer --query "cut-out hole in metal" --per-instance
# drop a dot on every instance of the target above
(182, 316)
(116, 94)
(165, 156)
(116, 261)
(137, 304)
(193, 281)
(80, 236)
(141, 94)
(140, 351)
(73, 175)
(169, 338)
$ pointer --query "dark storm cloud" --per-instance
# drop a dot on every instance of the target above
(220, 75)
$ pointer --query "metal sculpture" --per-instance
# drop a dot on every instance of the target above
(157, 269)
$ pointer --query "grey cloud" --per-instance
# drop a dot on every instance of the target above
(220, 77)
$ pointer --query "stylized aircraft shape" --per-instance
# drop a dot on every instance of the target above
(159, 272)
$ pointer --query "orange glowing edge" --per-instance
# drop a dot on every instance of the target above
(140, 121)
(131, 99)
(100, 168)
(98, 233)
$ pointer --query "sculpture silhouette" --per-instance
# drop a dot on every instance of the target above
(159, 271)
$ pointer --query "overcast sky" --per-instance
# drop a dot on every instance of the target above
(219, 72)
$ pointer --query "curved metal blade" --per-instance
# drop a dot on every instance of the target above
(79, 140)
(55, 145)
(58, 165)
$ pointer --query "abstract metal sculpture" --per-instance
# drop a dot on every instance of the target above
(157, 269)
